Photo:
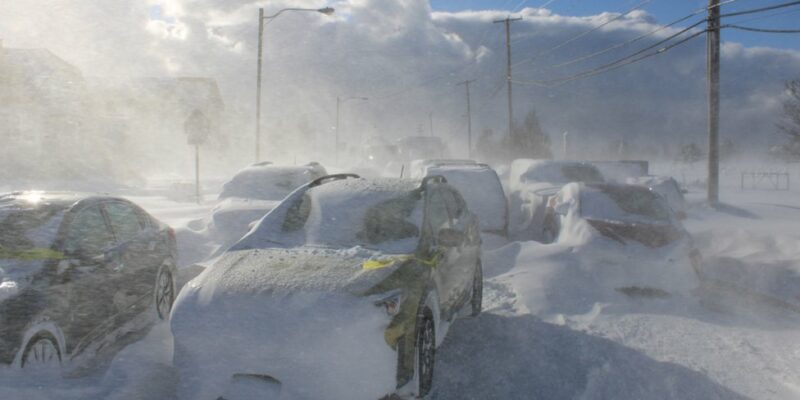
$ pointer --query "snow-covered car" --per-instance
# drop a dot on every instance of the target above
(620, 170)
(629, 234)
(478, 184)
(343, 291)
(667, 187)
(531, 183)
(252, 193)
(80, 277)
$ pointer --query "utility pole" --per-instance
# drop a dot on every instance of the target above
(508, 21)
(338, 107)
(258, 83)
(712, 63)
(469, 119)
(430, 120)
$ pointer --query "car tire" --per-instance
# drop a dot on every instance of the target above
(425, 352)
(41, 352)
(476, 300)
(164, 292)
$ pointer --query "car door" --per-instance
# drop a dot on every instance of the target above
(88, 272)
(465, 253)
(137, 259)
(437, 220)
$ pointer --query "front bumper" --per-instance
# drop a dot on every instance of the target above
(294, 346)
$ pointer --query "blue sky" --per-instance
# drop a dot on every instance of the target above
(664, 11)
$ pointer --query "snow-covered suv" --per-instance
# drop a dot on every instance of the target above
(343, 291)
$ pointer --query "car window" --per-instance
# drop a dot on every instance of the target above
(125, 220)
(390, 221)
(455, 203)
(297, 214)
(438, 217)
(88, 232)
(581, 173)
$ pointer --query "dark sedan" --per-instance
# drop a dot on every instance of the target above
(80, 276)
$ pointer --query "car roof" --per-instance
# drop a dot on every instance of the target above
(34, 199)
(375, 185)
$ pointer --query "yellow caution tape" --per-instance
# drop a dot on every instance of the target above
(31, 254)
(373, 264)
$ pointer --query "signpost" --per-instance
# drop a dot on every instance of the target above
(197, 129)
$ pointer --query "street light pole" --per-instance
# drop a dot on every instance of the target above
(261, 18)
(339, 102)
(258, 83)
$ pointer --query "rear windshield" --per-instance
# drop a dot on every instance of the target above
(581, 173)
(562, 173)
(623, 203)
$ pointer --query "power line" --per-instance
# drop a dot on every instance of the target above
(634, 40)
(635, 57)
(762, 9)
(580, 35)
(745, 28)
(610, 66)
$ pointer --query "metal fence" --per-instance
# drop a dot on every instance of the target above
(765, 180)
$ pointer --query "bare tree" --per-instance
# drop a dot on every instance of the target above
(790, 123)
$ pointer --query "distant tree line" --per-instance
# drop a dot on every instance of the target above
(527, 140)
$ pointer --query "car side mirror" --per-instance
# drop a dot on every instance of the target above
(450, 237)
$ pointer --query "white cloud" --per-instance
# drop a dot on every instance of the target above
(407, 60)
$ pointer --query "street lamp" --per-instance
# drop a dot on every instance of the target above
(339, 102)
(261, 18)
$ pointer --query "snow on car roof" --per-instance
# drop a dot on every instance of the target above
(267, 182)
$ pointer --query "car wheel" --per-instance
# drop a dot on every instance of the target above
(476, 302)
(164, 292)
(426, 353)
(41, 353)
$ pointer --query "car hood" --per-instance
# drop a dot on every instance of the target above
(283, 271)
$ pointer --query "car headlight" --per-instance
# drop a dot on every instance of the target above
(391, 301)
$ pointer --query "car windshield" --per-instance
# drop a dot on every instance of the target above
(29, 229)
(332, 215)
(624, 203)
(265, 183)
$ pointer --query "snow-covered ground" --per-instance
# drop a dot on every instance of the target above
(546, 333)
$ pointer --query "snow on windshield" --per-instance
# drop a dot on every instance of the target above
(344, 214)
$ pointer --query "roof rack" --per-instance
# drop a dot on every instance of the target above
(262, 164)
(328, 178)
(432, 179)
